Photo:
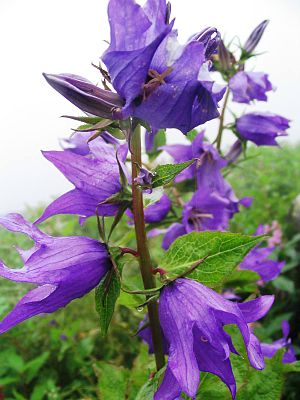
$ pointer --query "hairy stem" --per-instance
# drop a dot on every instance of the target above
(143, 250)
(221, 124)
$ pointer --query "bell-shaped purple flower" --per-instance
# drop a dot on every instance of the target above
(192, 318)
(255, 37)
(258, 260)
(270, 349)
(62, 268)
(247, 86)
(96, 177)
(205, 211)
(180, 92)
(262, 128)
(135, 34)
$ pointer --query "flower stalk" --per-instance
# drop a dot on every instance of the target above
(143, 250)
(221, 124)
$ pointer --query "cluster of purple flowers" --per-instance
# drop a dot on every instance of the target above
(151, 78)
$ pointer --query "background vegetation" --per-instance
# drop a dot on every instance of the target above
(63, 356)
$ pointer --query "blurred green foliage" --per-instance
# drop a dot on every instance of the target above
(63, 356)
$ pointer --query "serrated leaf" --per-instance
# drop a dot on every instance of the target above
(106, 295)
(223, 252)
(166, 173)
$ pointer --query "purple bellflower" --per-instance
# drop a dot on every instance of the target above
(192, 317)
(205, 211)
(247, 86)
(62, 268)
(262, 128)
(96, 177)
(270, 349)
(135, 34)
(255, 37)
(180, 93)
(257, 259)
(207, 170)
(156, 79)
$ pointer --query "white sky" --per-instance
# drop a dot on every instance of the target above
(67, 35)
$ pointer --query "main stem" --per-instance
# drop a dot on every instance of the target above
(143, 250)
(221, 124)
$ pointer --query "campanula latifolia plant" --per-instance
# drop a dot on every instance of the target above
(202, 287)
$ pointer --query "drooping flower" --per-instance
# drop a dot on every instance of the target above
(180, 92)
(255, 37)
(156, 79)
(262, 128)
(270, 349)
(62, 268)
(192, 317)
(207, 170)
(258, 260)
(96, 177)
(205, 211)
(135, 34)
(247, 86)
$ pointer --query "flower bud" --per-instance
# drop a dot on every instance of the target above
(255, 37)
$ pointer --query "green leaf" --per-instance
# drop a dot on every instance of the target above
(293, 367)
(243, 280)
(166, 173)
(159, 140)
(85, 119)
(285, 284)
(112, 381)
(192, 134)
(32, 368)
(150, 387)
(224, 251)
(106, 295)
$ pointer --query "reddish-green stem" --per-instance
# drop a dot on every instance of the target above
(143, 250)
